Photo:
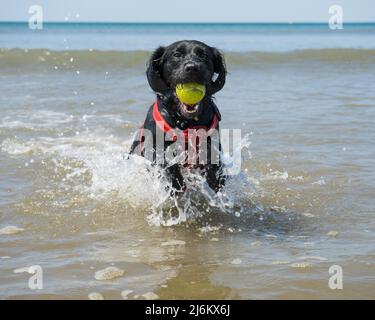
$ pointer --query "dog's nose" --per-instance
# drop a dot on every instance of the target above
(191, 67)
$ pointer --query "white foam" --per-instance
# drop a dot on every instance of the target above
(150, 296)
(40, 119)
(276, 175)
(109, 273)
(13, 147)
(10, 230)
(95, 296)
(100, 155)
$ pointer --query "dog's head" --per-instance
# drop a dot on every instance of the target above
(183, 62)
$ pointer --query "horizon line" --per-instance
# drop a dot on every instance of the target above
(186, 22)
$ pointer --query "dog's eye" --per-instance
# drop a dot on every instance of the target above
(200, 54)
(177, 54)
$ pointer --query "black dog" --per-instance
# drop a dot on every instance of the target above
(179, 63)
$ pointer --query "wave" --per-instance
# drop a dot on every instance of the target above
(43, 59)
(67, 60)
(321, 55)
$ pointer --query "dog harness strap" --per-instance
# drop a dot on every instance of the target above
(165, 127)
(160, 121)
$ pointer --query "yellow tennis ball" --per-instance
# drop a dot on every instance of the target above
(190, 93)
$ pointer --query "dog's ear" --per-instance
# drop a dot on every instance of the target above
(220, 70)
(154, 71)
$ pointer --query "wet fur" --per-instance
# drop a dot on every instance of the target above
(183, 62)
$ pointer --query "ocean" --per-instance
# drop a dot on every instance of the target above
(72, 97)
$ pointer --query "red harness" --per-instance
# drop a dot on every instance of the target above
(165, 127)
(184, 134)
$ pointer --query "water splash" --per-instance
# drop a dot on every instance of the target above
(92, 165)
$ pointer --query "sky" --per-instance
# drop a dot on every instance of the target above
(188, 11)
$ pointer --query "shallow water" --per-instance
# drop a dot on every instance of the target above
(307, 169)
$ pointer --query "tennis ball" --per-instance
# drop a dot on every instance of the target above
(190, 93)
